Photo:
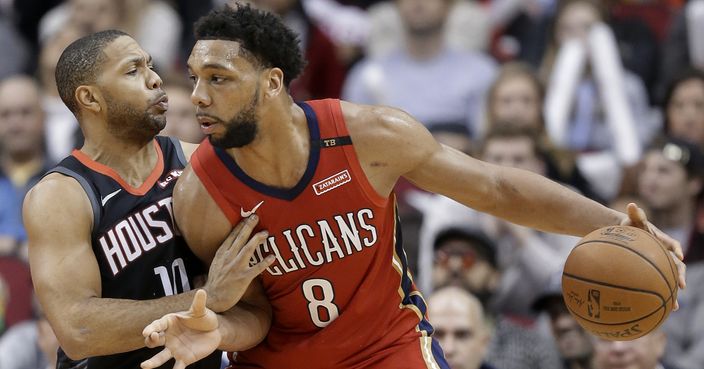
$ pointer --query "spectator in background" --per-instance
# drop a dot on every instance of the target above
(642, 353)
(465, 257)
(87, 16)
(23, 158)
(682, 49)
(516, 99)
(414, 77)
(61, 130)
(527, 257)
(153, 23)
(31, 344)
(590, 97)
(684, 107)
(22, 154)
(669, 182)
(14, 62)
(573, 342)
(685, 327)
(324, 73)
(515, 96)
(181, 117)
(11, 230)
(468, 27)
(460, 327)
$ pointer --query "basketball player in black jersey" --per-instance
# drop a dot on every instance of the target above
(105, 254)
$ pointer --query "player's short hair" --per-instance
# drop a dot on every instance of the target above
(80, 64)
(262, 35)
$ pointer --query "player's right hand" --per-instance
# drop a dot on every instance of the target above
(637, 218)
(230, 273)
(187, 336)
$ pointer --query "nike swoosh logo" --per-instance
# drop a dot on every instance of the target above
(105, 199)
(245, 214)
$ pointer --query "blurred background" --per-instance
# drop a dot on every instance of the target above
(606, 97)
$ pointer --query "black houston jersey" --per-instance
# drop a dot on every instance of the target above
(135, 241)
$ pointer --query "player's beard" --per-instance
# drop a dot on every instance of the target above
(242, 129)
(128, 123)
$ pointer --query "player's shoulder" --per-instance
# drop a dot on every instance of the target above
(387, 131)
(376, 121)
(52, 190)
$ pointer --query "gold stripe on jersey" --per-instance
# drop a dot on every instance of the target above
(426, 347)
(396, 263)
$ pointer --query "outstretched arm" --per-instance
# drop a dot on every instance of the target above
(66, 276)
(390, 144)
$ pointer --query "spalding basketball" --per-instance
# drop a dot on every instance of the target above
(619, 283)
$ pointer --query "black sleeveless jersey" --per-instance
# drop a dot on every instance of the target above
(135, 241)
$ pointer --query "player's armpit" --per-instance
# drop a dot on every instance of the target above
(198, 217)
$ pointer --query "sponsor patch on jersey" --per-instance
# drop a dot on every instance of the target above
(332, 182)
(174, 174)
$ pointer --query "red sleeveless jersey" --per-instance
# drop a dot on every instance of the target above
(341, 292)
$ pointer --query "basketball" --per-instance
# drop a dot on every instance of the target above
(619, 283)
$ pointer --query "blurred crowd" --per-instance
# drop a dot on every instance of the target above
(606, 97)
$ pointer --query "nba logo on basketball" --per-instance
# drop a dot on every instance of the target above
(594, 304)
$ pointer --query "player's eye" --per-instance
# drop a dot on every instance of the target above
(217, 79)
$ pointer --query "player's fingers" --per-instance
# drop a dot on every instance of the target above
(157, 360)
(158, 325)
(681, 272)
(198, 305)
(155, 339)
(670, 243)
(637, 216)
(258, 268)
(245, 254)
(179, 365)
(246, 231)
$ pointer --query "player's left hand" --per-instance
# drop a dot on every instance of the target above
(637, 218)
(187, 336)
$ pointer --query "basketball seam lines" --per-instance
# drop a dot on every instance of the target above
(662, 306)
(664, 313)
(669, 288)
(669, 263)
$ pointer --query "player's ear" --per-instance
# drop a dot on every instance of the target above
(88, 98)
(274, 82)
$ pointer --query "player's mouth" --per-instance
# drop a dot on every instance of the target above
(207, 123)
(161, 103)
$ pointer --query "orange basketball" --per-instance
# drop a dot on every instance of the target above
(619, 283)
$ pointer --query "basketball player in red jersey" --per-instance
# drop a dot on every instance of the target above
(105, 254)
(320, 174)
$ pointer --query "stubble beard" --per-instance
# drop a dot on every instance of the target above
(242, 129)
(130, 124)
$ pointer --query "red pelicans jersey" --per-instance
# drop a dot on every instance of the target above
(341, 292)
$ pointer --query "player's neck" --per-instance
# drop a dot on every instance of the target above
(133, 162)
(279, 154)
